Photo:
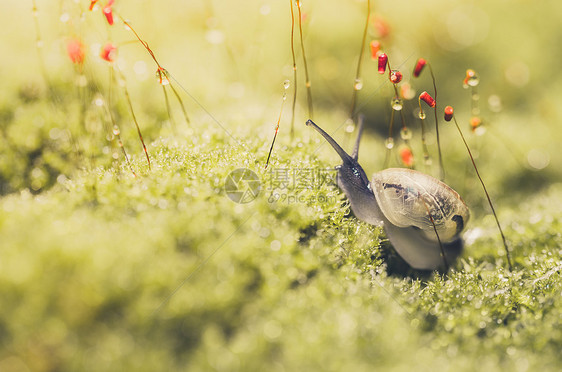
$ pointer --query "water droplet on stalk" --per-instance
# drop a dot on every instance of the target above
(397, 104)
(479, 131)
(162, 76)
(473, 81)
(406, 134)
(389, 143)
(349, 126)
(98, 101)
(358, 84)
(421, 115)
(286, 84)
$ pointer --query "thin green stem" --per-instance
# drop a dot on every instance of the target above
(389, 140)
(162, 73)
(168, 107)
(441, 167)
(115, 127)
(359, 64)
(307, 77)
(180, 102)
(424, 144)
(129, 102)
(276, 130)
(445, 263)
(508, 254)
(475, 110)
(294, 70)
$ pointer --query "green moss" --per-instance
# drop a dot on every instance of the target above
(163, 271)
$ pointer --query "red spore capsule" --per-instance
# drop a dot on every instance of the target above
(407, 156)
(76, 51)
(108, 12)
(375, 46)
(427, 99)
(470, 79)
(419, 67)
(381, 26)
(448, 113)
(395, 76)
(406, 91)
(475, 122)
(108, 52)
(383, 59)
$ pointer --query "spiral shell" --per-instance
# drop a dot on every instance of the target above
(407, 198)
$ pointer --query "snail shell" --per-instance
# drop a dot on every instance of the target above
(407, 198)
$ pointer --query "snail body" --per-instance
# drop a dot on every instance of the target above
(422, 216)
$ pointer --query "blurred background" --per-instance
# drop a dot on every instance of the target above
(232, 61)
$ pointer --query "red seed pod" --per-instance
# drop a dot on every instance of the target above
(395, 76)
(76, 51)
(375, 46)
(108, 12)
(406, 91)
(470, 75)
(108, 52)
(381, 26)
(419, 67)
(448, 113)
(383, 59)
(407, 156)
(427, 99)
(475, 122)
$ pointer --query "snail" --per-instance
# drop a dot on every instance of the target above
(421, 216)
